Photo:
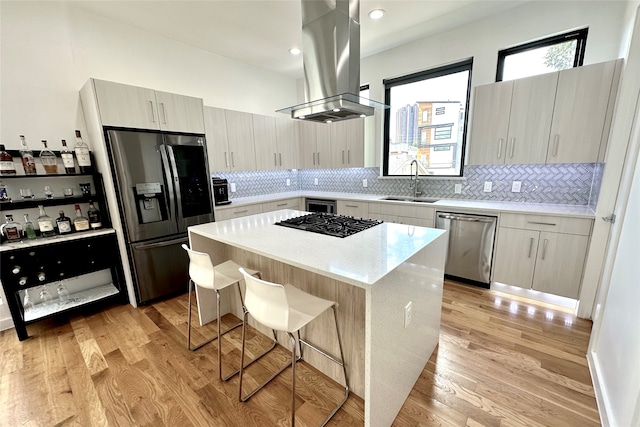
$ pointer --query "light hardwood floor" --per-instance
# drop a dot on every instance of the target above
(501, 361)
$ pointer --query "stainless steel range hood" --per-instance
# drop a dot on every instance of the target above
(331, 58)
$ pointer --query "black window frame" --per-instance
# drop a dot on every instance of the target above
(581, 43)
(463, 65)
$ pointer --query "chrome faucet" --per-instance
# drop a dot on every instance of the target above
(413, 179)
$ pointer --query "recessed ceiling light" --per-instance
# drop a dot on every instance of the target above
(335, 110)
(302, 117)
(363, 115)
(294, 51)
(329, 121)
(376, 14)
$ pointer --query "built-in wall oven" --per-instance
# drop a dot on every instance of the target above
(320, 205)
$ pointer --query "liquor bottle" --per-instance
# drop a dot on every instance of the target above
(95, 221)
(6, 162)
(45, 223)
(82, 154)
(80, 223)
(48, 159)
(67, 159)
(28, 162)
(29, 231)
(64, 223)
(11, 230)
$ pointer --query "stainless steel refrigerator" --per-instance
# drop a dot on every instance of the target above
(162, 184)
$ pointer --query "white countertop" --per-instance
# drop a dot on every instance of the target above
(578, 211)
(361, 259)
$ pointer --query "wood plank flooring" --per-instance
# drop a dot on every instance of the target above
(501, 361)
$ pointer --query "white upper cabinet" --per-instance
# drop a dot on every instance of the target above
(582, 114)
(136, 107)
(490, 123)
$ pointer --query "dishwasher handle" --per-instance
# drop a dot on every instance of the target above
(465, 218)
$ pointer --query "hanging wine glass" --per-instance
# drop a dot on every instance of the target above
(63, 293)
(27, 304)
(45, 296)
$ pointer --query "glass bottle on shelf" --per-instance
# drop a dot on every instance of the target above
(4, 196)
(63, 293)
(67, 159)
(82, 154)
(64, 223)
(45, 223)
(28, 161)
(29, 231)
(6, 162)
(48, 159)
(80, 222)
(95, 220)
(11, 230)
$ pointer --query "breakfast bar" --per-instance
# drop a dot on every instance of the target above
(387, 280)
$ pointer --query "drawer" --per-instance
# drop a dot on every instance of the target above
(281, 204)
(402, 209)
(237, 211)
(557, 224)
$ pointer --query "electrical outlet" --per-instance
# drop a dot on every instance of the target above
(233, 187)
(457, 188)
(315, 181)
(288, 182)
(364, 183)
(408, 312)
(487, 186)
(515, 186)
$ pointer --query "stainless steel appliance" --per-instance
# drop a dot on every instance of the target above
(471, 239)
(320, 205)
(220, 191)
(162, 184)
(330, 224)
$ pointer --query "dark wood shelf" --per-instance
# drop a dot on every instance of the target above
(56, 201)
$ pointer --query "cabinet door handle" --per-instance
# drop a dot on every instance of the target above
(556, 143)
(281, 204)
(280, 157)
(275, 159)
(153, 115)
(513, 142)
(349, 157)
(239, 212)
(530, 247)
(314, 158)
(351, 206)
(544, 248)
(318, 158)
(233, 161)
(226, 159)
(164, 113)
(500, 148)
(541, 223)
(343, 157)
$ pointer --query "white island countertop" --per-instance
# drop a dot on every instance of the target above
(361, 259)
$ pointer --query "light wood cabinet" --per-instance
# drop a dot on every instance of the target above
(230, 212)
(582, 113)
(545, 261)
(347, 143)
(216, 137)
(288, 144)
(142, 108)
(323, 146)
(353, 208)
(265, 142)
(315, 145)
(399, 213)
(293, 203)
(241, 140)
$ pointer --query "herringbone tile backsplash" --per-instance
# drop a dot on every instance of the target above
(568, 183)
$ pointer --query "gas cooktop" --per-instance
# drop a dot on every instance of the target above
(329, 224)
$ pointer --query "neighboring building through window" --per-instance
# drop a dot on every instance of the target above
(427, 121)
(542, 56)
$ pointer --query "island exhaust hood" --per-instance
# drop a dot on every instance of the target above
(331, 59)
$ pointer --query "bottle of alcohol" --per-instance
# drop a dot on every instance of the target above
(48, 159)
(95, 221)
(28, 162)
(67, 159)
(64, 223)
(11, 230)
(82, 154)
(29, 231)
(6, 162)
(45, 223)
(80, 223)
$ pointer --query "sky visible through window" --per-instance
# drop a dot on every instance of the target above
(539, 61)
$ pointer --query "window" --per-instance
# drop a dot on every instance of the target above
(427, 121)
(542, 56)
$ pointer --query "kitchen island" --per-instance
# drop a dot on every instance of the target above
(386, 279)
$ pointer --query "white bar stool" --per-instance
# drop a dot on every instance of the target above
(203, 273)
(287, 309)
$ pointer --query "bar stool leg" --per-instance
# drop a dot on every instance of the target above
(294, 344)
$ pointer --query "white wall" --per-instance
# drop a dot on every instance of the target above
(484, 38)
(50, 49)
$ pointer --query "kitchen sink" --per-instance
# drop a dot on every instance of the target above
(410, 199)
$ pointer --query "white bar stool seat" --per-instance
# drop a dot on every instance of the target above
(287, 309)
(204, 274)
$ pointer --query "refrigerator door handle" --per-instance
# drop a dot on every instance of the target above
(162, 244)
(171, 181)
(176, 182)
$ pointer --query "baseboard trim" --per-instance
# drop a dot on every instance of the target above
(601, 398)
(6, 323)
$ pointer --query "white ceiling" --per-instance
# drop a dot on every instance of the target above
(260, 32)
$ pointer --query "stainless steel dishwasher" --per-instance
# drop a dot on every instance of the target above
(471, 239)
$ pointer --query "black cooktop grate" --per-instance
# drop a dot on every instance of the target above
(329, 224)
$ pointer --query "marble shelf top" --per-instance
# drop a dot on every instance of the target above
(361, 259)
